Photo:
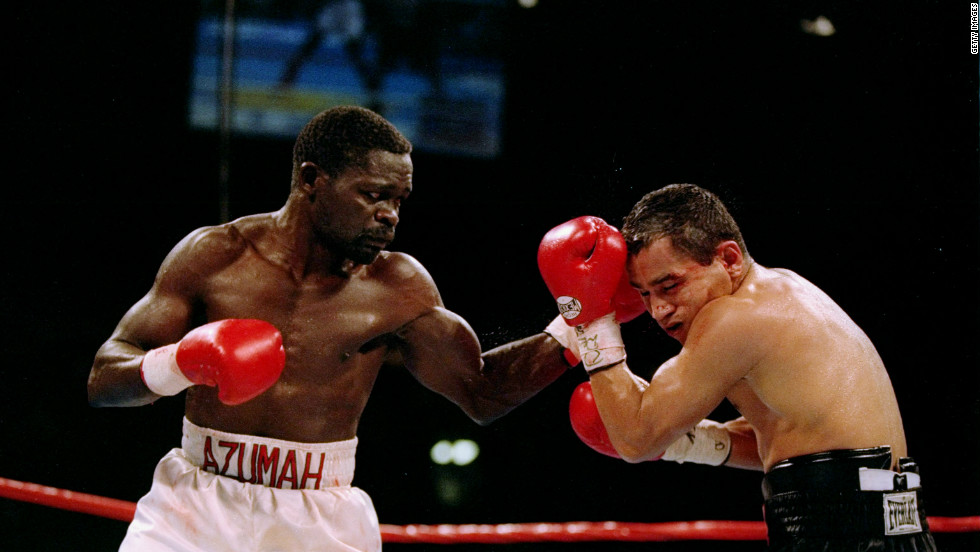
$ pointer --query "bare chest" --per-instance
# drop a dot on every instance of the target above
(337, 333)
(324, 321)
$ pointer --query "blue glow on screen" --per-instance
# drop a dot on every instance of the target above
(433, 68)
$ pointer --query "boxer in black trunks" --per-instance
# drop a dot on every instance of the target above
(819, 414)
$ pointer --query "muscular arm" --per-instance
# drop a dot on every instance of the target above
(516, 371)
(154, 321)
(643, 420)
(161, 317)
(443, 353)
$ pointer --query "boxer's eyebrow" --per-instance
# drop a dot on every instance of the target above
(662, 279)
(655, 282)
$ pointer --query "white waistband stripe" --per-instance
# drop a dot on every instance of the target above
(884, 480)
(270, 462)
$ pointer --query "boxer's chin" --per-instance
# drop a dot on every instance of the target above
(365, 257)
(364, 254)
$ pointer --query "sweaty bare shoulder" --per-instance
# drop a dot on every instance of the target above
(406, 276)
(733, 329)
(736, 334)
(770, 299)
(200, 254)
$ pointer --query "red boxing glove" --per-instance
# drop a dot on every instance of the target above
(586, 422)
(241, 357)
(706, 443)
(582, 263)
(628, 303)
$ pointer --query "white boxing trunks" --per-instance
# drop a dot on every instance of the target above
(227, 492)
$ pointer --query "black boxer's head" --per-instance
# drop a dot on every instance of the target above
(341, 137)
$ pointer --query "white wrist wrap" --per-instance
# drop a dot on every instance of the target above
(160, 372)
(563, 334)
(707, 443)
(600, 343)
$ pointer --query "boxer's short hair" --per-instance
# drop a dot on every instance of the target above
(341, 137)
(694, 219)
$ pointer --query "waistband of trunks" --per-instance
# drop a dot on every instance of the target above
(270, 462)
(843, 494)
(844, 515)
(830, 470)
(841, 470)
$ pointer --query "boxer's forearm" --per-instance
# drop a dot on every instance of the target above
(115, 377)
(516, 371)
(444, 354)
(745, 448)
(619, 397)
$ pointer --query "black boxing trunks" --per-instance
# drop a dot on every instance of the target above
(844, 500)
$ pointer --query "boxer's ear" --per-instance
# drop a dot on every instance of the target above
(731, 257)
(309, 176)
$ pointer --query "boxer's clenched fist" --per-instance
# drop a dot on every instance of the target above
(241, 357)
(582, 263)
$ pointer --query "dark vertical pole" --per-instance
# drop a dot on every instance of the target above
(226, 105)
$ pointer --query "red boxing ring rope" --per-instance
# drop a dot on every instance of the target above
(576, 531)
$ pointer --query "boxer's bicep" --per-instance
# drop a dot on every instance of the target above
(160, 317)
(443, 353)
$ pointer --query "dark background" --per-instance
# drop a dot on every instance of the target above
(851, 159)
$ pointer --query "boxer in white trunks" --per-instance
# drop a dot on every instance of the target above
(277, 325)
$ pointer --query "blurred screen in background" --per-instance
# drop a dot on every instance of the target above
(434, 68)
